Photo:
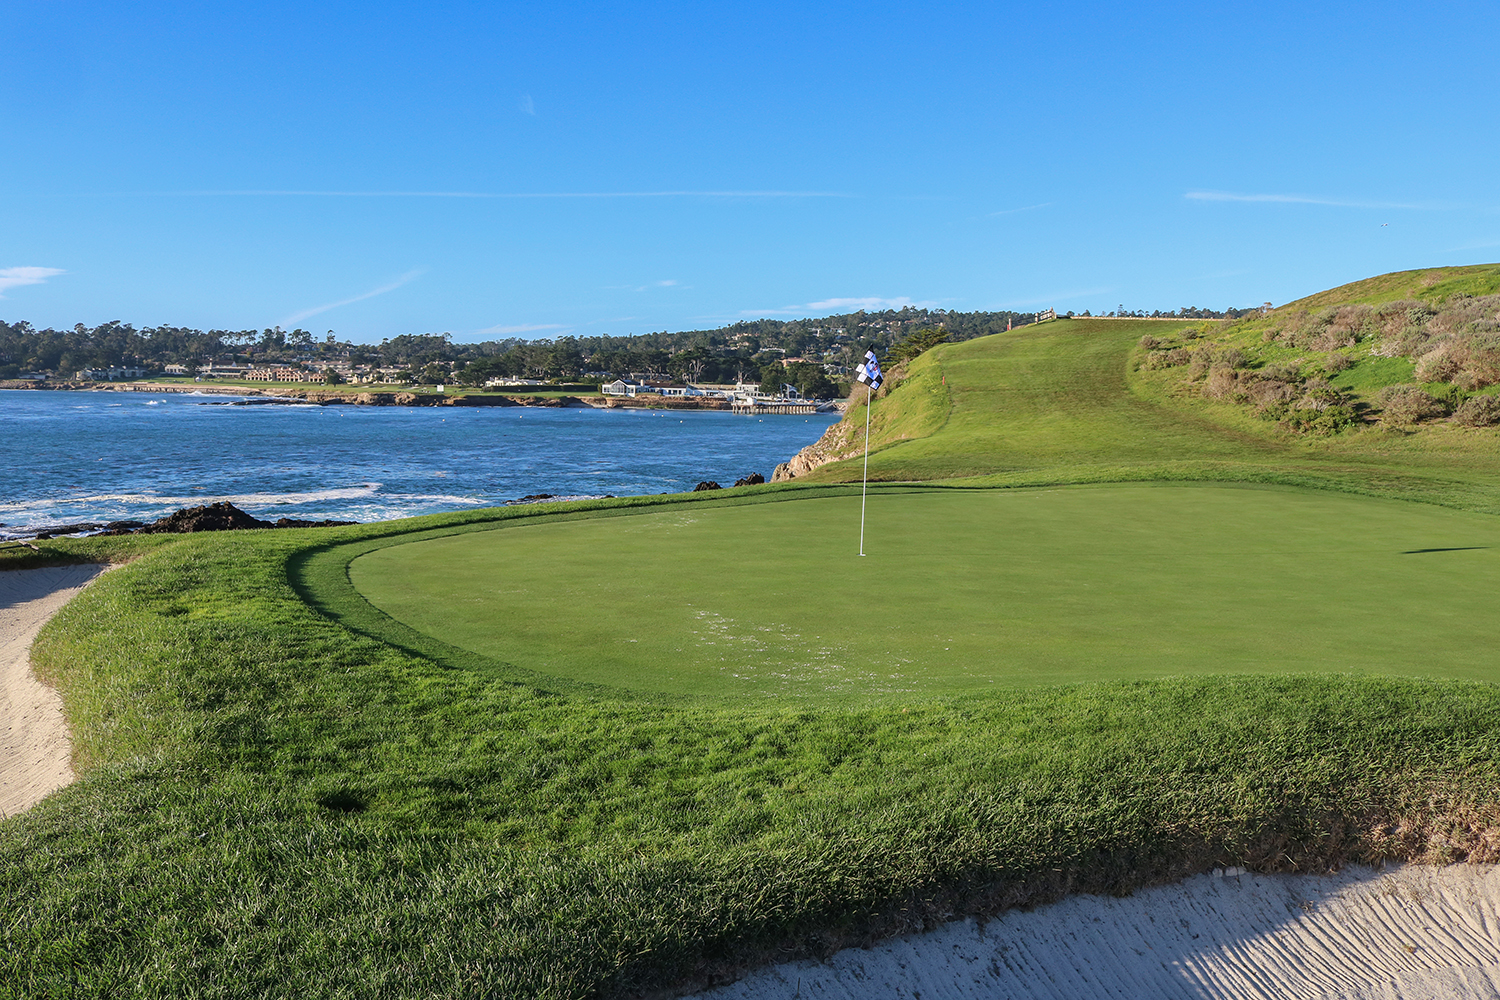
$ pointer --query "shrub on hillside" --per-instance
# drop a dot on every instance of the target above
(1199, 364)
(1330, 420)
(1222, 383)
(1402, 327)
(1167, 358)
(1319, 394)
(1149, 342)
(1403, 405)
(1478, 411)
(1441, 363)
(1336, 363)
(1231, 356)
(1269, 392)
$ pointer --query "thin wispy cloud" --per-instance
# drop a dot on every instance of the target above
(292, 193)
(868, 303)
(15, 277)
(389, 286)
(668, 283)
(1299, 199)
(523, 328)
(1013, 211)
(528, 106)
(1478, 245)
(1056, 297)
(1220, 274)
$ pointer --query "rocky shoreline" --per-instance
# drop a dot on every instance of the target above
(838, 442)
(256, 395)
(219, 516)
(273, 394)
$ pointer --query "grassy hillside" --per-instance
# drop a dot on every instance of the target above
(285, 792)
(1075, 401)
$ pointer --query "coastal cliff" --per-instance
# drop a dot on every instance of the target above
(839, 441)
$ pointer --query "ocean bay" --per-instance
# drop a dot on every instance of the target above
(99, 456)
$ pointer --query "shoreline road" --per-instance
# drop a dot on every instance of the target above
(34, 743)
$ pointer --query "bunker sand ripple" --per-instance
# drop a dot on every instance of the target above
(1361, 934)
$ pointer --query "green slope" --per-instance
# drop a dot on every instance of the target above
(1049, 396)
(1065, 402)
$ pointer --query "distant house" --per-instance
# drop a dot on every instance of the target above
(620, 387)
(225, 371)
(505, 380)
(176, 369)
(110, 374)
(282, 374)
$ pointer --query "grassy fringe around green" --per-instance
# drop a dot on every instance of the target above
(271, 803)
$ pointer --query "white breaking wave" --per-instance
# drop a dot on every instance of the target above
(364, 502)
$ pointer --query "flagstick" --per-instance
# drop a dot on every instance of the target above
(865, 489)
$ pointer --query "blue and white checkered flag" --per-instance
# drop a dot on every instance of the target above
(869, 372)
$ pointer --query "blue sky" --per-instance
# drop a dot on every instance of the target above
(512, 169)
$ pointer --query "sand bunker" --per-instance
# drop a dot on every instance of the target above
(34, 744)
(1403, 932)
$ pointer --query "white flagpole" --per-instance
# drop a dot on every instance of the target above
(865, 489)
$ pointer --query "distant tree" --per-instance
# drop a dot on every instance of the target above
(917, 344)
(434, 374)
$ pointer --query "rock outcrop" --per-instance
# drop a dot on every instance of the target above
(837, 443)
(221, 516)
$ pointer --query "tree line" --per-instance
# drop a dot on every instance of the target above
(818, 353)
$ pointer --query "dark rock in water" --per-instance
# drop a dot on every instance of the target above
(754, 479)
(297, 522)
(707, 485)
(53, 530)
(535, 498)
(221, 516)
(122, 527)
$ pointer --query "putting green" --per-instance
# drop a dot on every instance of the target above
(963, 590)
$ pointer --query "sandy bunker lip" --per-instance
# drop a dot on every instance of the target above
(34, 745)
(1360, 934)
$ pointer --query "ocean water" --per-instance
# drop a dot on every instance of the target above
(102, 456)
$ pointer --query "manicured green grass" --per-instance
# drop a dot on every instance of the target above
(285, 792)
(962, 590)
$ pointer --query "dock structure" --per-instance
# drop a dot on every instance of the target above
(764, 405)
